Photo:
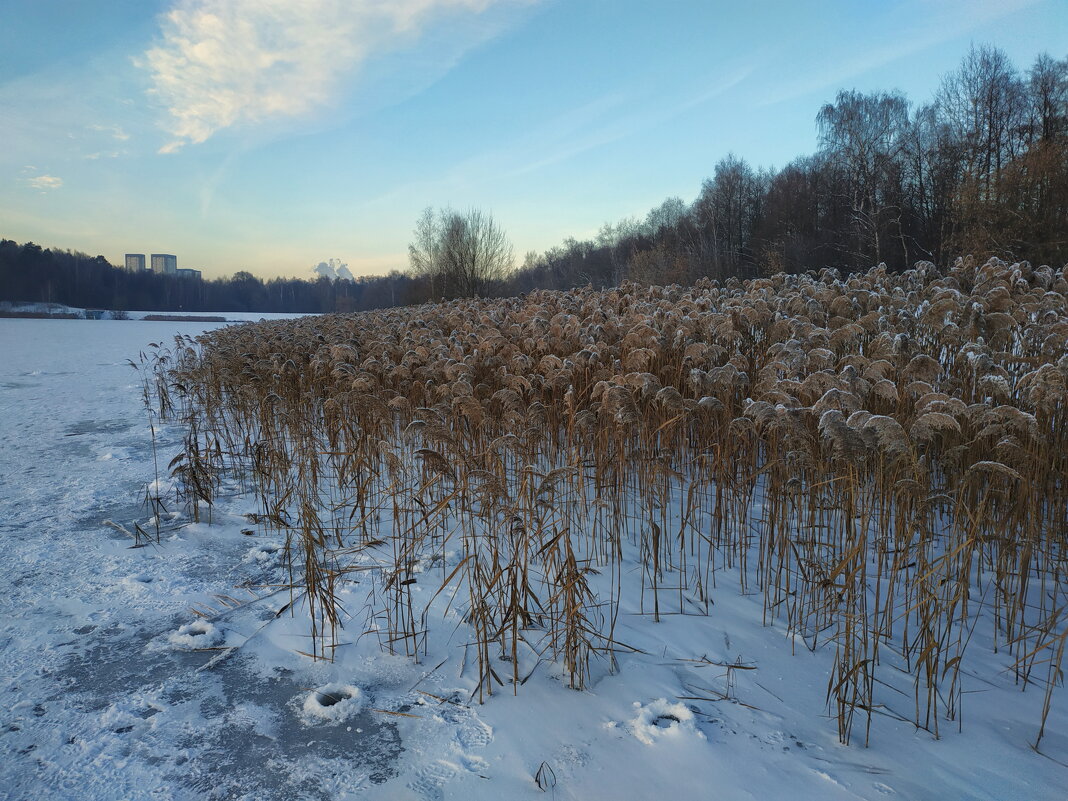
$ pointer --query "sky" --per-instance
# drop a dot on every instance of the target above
(272, 135)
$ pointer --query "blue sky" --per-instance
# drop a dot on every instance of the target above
(270, 135)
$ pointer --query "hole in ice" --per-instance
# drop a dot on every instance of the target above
(661, 718)
(331, 698)
(198, 634)
(264, 552)
(333, 702)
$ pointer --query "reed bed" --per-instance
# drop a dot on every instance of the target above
(882, 457)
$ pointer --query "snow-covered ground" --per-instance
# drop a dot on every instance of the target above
(111, 687)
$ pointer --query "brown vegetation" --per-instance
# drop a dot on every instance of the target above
(881, 456)
(184, 318)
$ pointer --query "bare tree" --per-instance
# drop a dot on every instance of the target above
(1048, 84)
(726, 212)
(667, 215)
(984, 103)
(460, 253)
(424, 250)
(862, 136)
(615, 241)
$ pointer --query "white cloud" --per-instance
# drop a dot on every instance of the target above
(44, 182)
(220, 63)
(115, 131)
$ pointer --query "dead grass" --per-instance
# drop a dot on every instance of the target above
(882, 457)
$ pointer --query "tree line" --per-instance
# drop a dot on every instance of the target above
(981, 168)
(34, 274)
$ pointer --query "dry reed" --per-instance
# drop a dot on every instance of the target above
(882, 455)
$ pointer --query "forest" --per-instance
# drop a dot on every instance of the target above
(31, 273)
(980, 168)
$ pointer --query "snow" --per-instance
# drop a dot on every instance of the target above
(662, 719)
(265, 553)
(137, 669)
(334, 702)
(198, 634)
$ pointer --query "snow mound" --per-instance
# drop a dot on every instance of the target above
(138, 582)
(160, 487)
(265, 553)
(198, 634)
(332, 703)
(660, 719)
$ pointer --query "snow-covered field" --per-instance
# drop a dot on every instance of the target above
(113, 688)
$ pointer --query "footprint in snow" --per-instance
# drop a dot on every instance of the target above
(573, 755)
(474, 764)
(471, 732)
(432, 777)
(138, 581)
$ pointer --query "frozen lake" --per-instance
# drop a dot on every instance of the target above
(105, 696)
(96, 705)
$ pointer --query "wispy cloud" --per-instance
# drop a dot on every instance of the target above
(947, 21)
(587, 127)
(719, 86)
(44, 182)
(220, 63)
(115, 131)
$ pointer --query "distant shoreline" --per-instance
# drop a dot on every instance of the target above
(38, 315)
(152, 318)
